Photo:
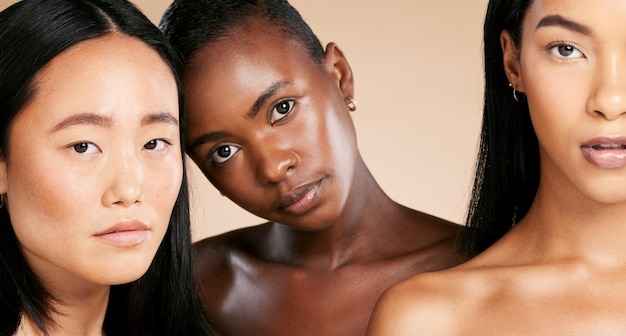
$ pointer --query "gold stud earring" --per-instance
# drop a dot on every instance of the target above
(351, 104)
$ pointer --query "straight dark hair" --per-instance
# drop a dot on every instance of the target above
(164, 300)
(507, 169)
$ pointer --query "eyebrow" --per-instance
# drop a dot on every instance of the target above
(160, 117)
(83, 119)
(105, 121)
(265, 95)
(209, 137)
(558, 20)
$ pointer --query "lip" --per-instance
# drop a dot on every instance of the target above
(605, 152)
(124, 234)
(302, 198)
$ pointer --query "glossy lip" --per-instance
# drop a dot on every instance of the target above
(605, 152)
(124, 234)
(301, 199)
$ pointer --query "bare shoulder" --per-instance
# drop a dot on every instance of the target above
(214, 255)
(446, 302)
(425, 304)
(434, 237)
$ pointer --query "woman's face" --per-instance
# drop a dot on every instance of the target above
(573, 70)
(94, 163)
(270, 128)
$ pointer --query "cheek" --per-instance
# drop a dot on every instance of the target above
(37, 188)
(162, 185)
(44, 210)
(557, 104)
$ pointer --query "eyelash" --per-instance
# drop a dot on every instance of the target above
(212, 153)
(291, 104)
(75, 146)
(551, 49)
(89, 144)
(164, 141)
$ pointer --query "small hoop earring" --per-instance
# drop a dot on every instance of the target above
(351, 104)
(517, 99)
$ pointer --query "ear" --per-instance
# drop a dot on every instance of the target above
(337, 66)
(511, 59)
(3, 176)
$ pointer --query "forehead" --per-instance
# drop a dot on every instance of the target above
(112, 74)
(254, 41)
(246, 61)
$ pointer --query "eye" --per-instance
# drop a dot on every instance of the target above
(156, 144)
(281, 110)
(85, 148)
(223, 153)
(565, 50)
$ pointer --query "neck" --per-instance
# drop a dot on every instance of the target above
(80, 313)
(567, 225)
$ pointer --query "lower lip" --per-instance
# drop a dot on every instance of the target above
(124, 238)
(605, 158)
(306, 202)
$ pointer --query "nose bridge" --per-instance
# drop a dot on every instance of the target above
(275, 158)
(609, 96)
(126, 179)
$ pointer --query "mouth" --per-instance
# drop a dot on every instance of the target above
(124, 234)
(605, 152)
(302, 198)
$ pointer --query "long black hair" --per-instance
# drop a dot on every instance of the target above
(164, 300)
(192, 24)
(507, 169)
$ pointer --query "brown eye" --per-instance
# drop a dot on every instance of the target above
(85, 147)
(155, 144)
(283, 107)
(281, 110)
(223, 153)
(81, 147)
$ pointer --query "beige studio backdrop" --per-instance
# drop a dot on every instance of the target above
(418, 79)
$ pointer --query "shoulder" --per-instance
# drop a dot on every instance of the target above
(216, 253)
(435, 237)
(439, 303)
(423, 304)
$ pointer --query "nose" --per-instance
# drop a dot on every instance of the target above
(608, 99)
(275, 164)
(125, 186)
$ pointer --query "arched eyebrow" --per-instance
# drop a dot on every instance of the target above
(560, 21)
(264, 96)
(83, 119)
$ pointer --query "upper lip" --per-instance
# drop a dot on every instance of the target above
(296, 194)
(132, 225)
(606, 143)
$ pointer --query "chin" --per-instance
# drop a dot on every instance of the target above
(122, 274)
(120, 279)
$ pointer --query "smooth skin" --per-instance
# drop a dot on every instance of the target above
(561, 270)
(96, 149)
(271, 130)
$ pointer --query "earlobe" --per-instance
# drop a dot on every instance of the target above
(336, 64)
(511, 60)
